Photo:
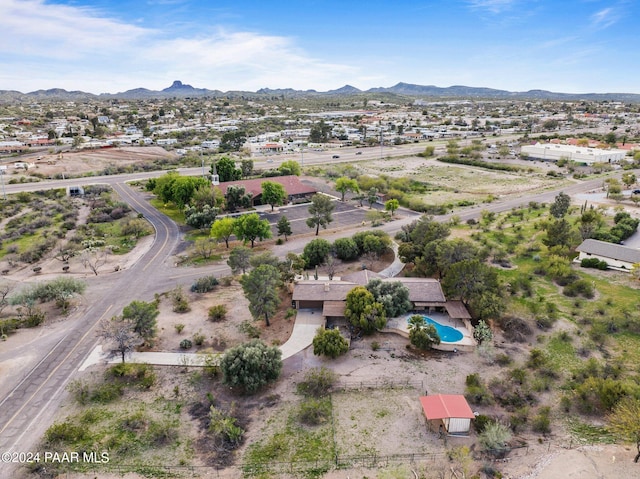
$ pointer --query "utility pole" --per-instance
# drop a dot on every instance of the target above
(2, 170)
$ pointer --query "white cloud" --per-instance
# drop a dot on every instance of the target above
(605, 18)
(493, 6)
(79, 48)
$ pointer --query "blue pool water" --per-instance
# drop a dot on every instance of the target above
(447, 333)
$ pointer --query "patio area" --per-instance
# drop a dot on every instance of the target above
(400, 326)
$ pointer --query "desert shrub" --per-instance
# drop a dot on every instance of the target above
(542, 422)
(314, 411)
(476, 391)
(480, 422)
(510, 395)
(537, 359)
(64, 433)
(519, 419)
(186, 344)
(141, 375)
(503, 360)
(179, 327)
(198, 339)
(204, 285)
(598, 395)
(179, 300)
(217, 312)
(581, 287)
(495, 439)
(224, 427)
(249, 329)
(106, 393)
(515, 329)
(317, 382)
(545, 321)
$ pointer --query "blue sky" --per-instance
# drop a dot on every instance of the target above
(573, 46)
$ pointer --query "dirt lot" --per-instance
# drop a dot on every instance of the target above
(85, 161)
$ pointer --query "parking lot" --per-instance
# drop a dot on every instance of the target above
(346, 214)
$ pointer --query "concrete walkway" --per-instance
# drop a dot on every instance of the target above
(395, 267)
(307, 323)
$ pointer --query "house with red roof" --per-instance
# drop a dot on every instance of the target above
(296, 189)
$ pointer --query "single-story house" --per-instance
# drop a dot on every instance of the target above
(618, 257)
(295, 188)
(449, 413)
(424, 293)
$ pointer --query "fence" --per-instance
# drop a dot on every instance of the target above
(382, 383)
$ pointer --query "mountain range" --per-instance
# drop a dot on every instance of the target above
(181, 90)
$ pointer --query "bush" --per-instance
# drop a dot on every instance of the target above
(346, 249)
(198, 339)
(314, 411)
(594, 263)
(581, 287)
(179, 299)
(515, 329)
(64, 433)
(251, 366)
(480, 422)
(186, 344)
(204, 285)
(542, 422)
(317, 382)
(217, 313)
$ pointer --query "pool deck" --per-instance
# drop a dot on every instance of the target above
(467, 343)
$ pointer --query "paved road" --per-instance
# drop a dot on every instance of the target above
(28, 409)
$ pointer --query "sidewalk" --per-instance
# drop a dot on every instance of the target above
(304, 329)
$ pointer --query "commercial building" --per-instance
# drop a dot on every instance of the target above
(579, 154)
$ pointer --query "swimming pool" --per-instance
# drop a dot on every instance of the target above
(447, 333)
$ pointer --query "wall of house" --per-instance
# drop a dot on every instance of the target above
(613, 263)
(456, 425)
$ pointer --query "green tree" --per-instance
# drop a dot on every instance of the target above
(273, 193)
(246, 166)
(205, 195)
(143, 317)
(476, 285)
(560, 205)
(320, 211)
(344, 184)
(393, 295)
(260, 287)
(250, 227)
(223, 229)
(237, 198)
(232, 141)
(438, 256)
(628, 179)
(316, 252)
(391, 205)
(184, 187)
(559, 233)
(363, 312)
(290, 167)
(200, 218)
(227, 171)
(329, 342)
(284, 227)
(251, 366)
(422, 335)
(624, 421)
(372, 196)
(239, 259)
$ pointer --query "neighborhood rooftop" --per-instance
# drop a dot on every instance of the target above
(610, 250)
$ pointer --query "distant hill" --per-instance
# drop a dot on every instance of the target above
(181, 90)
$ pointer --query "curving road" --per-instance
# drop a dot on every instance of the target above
(28, 409)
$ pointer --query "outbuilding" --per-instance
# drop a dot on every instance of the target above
(448, 413)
